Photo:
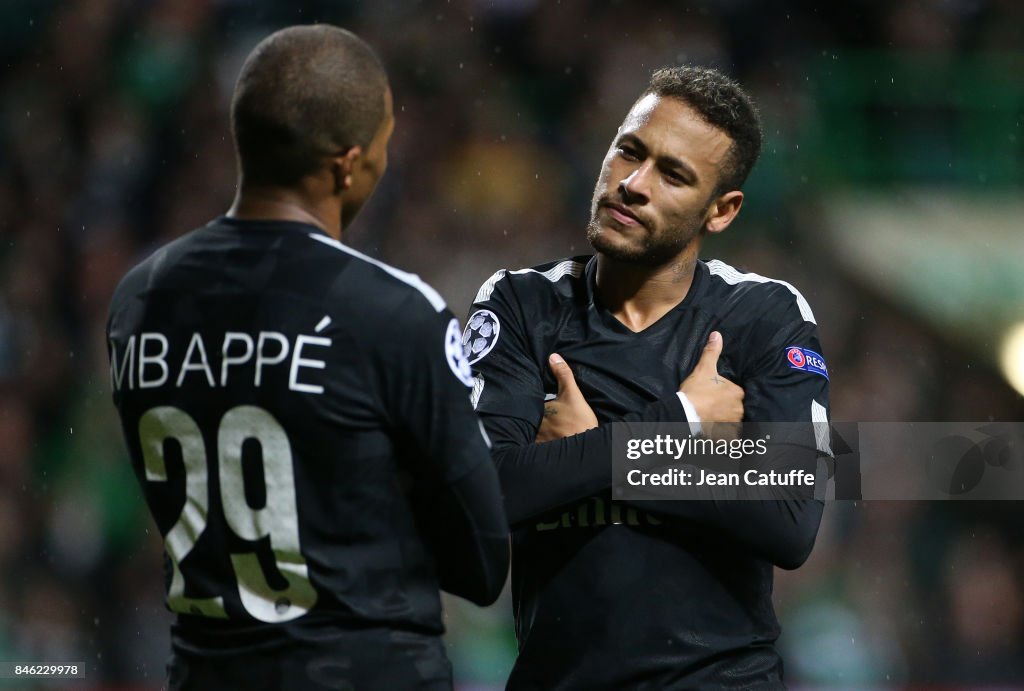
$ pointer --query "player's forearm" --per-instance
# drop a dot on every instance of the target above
(539, 477)
(470, 536)
(480, 576)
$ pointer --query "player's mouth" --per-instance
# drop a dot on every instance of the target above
(623, 215)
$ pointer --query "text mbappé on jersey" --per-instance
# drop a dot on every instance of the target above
(147, 361)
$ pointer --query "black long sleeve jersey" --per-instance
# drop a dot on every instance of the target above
(642, 595)
(298, 417)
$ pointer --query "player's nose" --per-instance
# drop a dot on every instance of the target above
(635, 187)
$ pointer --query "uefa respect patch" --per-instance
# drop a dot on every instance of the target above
(806, 360)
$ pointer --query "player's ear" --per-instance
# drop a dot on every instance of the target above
(722, 210)
(342, 166)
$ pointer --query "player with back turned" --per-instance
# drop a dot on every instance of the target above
(648, 594)
(298, 414)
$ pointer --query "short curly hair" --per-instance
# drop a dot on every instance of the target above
(723, 104)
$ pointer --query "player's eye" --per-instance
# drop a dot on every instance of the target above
(674, 177)
(628, 152)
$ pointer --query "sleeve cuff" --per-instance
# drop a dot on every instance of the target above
(691, 414)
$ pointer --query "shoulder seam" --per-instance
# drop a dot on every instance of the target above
(484, 294)
(567, 267)
(732, 276)
(405, 277)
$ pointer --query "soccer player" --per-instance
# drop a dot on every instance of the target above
(660, 594)
(298, 414)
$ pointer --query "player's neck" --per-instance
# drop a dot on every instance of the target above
(638, 295)
(268, 203)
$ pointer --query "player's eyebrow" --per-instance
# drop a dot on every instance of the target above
(665, 161)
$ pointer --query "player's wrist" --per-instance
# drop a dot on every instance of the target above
(691, 414)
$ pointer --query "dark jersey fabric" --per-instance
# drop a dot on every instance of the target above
(641, 595)
(385, 659)
(296, 419)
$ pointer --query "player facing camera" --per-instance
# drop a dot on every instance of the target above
(645, 331)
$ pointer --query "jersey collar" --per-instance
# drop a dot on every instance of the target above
(269, 224)
(697, 287)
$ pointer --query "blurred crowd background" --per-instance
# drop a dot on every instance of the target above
(114, 138)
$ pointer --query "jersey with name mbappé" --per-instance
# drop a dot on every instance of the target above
(282, 398)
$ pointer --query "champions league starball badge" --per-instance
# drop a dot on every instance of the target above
(456, 354)
(481, 335)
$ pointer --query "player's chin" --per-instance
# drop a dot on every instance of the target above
(613, 243)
